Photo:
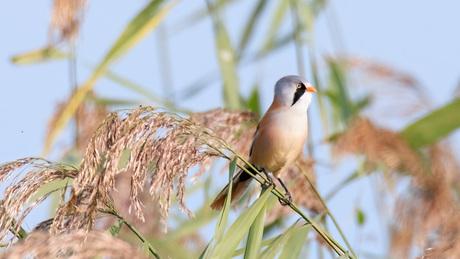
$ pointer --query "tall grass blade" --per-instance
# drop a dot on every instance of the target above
(135, 87)
(275, 247)
(239, 228)
(147, 20)
(192, 225)
(253, 102)
(39, 56)
(115, 229)
(275, 23)
(339, 88)
(294, 245)
(227, 62)
(342, 184)
(433, 126)
(250, 26)
(344, 256)
(205, 251)
(223, 219)
(199, 15)
(263, 244)
(255, 234)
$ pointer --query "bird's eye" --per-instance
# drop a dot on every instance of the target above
(299, 86)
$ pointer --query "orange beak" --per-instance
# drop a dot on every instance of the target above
(311, 89)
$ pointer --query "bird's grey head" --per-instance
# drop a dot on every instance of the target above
(294, 91)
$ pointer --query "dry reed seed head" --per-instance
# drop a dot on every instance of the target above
(43, 226)
(235, 127)
(421, 214)
(158, 142)
(429, 211)
(35, 172)
(89, 117)
(123, 202)
(67, 17)
(379, 146)
(78, 245)
(226, 124)
(378, 71)
(395, 94)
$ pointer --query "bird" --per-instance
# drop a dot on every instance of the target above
(278, 140)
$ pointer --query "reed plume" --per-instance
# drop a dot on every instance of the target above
(35, 172)
(67, 18)
(161, 147)
(78, 245)
(426, 214)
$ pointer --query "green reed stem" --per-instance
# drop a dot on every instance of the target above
(327, 209)
(112, 211)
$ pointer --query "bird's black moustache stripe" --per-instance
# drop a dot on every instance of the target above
(298, 93)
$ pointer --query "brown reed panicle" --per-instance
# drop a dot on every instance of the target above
(67, 17)
(89, 116)
(427, 214)
(378, 71)
(394, 94)
(18, 193)
(77, 245)
(159, 142)
(235, 127)
(380, 147)
(122, 202)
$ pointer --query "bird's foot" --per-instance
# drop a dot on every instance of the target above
(269, 182)
(286, 200)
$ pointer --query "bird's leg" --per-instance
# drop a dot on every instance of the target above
(287, 200)
(269, 182)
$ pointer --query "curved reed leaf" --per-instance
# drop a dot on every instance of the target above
(294, 245)
(275, 247)
(433, 126)
(250, 26)
(223, 219)
(39, 56)
(239, 228)
(227, 62)
(255, 234)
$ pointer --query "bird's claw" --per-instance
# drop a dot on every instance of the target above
(286, 200)
(269, 182)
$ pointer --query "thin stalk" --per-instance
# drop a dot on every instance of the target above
(334, 28)
(20, 234)
(297, 39)
(74, 86)
(165, 64)
(111, 210)
(327, 209)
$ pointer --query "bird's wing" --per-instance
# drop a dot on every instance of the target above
(253, 139)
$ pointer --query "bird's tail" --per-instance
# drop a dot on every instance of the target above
(239, 185)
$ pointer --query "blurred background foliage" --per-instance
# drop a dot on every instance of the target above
(369, 121)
